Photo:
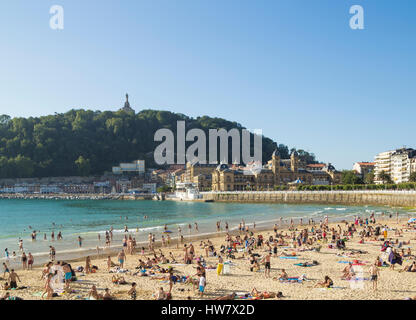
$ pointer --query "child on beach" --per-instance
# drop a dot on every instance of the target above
(5, 269)
(202, 282)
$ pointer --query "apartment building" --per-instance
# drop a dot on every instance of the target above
(382, 163)
(135, 167)
(398, 164)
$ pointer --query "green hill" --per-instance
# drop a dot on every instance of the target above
(83, 142)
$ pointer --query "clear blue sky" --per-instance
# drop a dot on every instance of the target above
(292, 68)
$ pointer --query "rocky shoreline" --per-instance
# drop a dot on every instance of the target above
(63, 196)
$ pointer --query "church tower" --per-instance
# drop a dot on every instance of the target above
(276, 166)
(294, 162)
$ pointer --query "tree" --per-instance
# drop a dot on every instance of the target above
(83, 166)
(385, 177)
(350, 177)
(369, 178)
(412, 177)
(164, 189)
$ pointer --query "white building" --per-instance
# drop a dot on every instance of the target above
(363, 168)
(133, 167)
(398, 164)
(382, 163)
(401, 165)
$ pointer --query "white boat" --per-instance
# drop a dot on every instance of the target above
(187, 191)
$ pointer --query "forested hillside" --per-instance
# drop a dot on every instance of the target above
(84, 142)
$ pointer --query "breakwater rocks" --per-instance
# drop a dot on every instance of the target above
(55, 196)
(367, 197)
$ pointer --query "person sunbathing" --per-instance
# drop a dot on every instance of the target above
(93, 294)
(161, 294)
(194, 282)
(118, 280)
(327, 283)
(264, 295)
(283, 275)
(107, 295)
(172, 257)
(348, 272)
(227, 297)
(409, 268)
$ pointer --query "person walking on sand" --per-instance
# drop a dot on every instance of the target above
(30, 261)
(121, 258)
(24, 261)
(5, 269)
(109, 263)
(374, 272)
(87, 265)
(266, 260)
(202, 283)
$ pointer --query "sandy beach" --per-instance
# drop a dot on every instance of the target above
(392, 284)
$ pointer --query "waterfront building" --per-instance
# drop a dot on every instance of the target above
(382, 164)
(135, 167)
(398, 164)
(276, 172)
(401, 165)
(363, 168)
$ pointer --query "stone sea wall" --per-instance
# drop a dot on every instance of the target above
(370, 197)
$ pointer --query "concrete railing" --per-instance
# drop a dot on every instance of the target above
(405, 198)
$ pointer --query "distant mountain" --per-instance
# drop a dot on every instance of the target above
(84, 142)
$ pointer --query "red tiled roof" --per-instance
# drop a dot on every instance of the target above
(367, 163)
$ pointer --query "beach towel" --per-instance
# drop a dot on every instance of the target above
(288, 257)
(37, 294)
(324, 289)
(302, 265)
(290, 280)
(249, 297)
(353, 263)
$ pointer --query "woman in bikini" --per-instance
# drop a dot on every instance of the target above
(48, 288)
(93, 294)
(327, 283)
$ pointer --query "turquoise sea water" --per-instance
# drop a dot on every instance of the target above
(87, 218)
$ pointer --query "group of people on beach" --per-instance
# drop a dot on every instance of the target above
(241, 244)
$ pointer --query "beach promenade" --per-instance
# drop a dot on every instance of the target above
(361, 197)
